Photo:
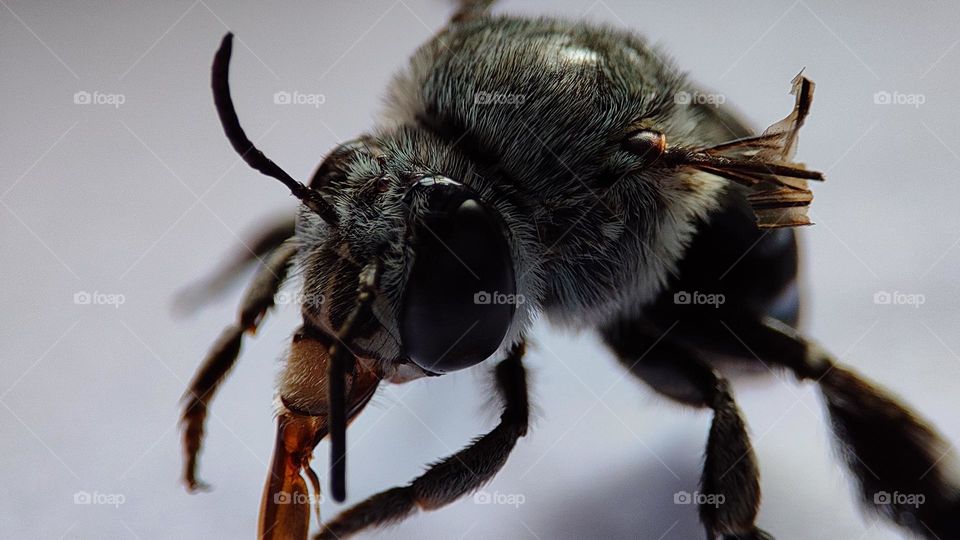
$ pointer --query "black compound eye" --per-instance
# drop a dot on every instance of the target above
(461, 294)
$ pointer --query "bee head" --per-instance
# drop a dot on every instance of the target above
(448, 280)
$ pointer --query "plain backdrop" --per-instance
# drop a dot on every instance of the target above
(134, 200)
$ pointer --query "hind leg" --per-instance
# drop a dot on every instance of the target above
(256, 301)
(902, 466)
(729, 494)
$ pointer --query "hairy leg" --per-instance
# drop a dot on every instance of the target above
(256, 301)
(455, 476)
(730, 481)
(903, 467)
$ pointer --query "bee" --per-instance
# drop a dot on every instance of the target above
(537, 167)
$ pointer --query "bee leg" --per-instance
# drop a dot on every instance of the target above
(729, 496)
(254, 249)
(902, 466)
(470, 9)
(455, 476)
(256, 301)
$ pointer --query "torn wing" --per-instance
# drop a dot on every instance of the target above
(779, 193)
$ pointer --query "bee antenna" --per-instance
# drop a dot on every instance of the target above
(244, 146)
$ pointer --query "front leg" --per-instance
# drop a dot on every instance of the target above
(455, 476)
(730, 482)
(257, 300)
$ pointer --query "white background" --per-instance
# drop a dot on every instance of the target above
(143, 198)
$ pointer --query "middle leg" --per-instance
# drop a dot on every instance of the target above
(730, 482)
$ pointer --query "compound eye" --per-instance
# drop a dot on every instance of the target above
(458, 301)
(647, 144)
